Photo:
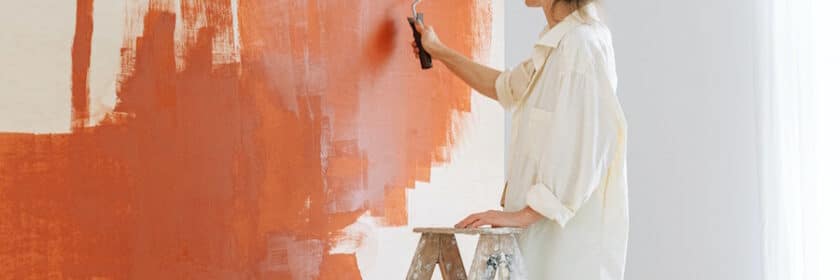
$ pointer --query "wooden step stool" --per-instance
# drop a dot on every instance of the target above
(497, 251)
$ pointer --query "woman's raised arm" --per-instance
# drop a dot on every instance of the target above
(477, 76)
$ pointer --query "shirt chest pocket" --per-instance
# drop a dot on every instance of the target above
(538, 131)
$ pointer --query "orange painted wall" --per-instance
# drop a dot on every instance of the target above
(237, 170)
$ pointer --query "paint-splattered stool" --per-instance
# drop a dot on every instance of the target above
(497, 251)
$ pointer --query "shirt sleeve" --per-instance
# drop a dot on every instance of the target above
(512, 84)
(579, 142)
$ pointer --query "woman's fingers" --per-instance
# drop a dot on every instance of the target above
(480, 223)
(472, 219)
(487, 218)
(475, 221)
(467, 221)
(415, 49)
(463, 223)
(421, 28)
(473, 224)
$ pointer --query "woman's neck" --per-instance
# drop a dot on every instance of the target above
(555, 14)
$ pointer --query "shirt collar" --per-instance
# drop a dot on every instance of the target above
(551, 37)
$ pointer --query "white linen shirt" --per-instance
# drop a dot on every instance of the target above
(567, 154)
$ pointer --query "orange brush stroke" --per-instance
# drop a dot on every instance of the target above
(81, 64)
(249, 169)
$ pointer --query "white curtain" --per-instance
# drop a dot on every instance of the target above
(798, 49)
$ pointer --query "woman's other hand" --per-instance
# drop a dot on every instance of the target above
(431, 42)
(521, 218)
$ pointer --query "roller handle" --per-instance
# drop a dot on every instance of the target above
(425, 57)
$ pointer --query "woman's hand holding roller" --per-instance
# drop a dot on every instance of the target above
(479, 77)
(431, 42)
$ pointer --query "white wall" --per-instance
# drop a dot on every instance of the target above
(686, 83)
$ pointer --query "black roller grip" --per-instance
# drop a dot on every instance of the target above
(425, 57)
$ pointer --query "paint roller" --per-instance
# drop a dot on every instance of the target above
(425, 57)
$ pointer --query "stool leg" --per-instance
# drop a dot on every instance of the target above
(513, 261)
(451, 265)
(486, 260)
(425, 258)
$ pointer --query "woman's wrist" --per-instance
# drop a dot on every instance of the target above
(528, 216)
(440, 52)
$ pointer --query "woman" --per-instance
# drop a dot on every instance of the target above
(566, 171)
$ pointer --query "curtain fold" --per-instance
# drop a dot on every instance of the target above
(797, 81)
